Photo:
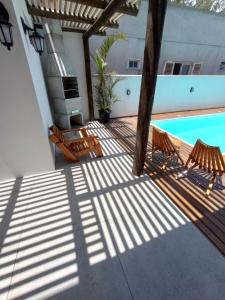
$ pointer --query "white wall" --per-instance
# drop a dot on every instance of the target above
(24, 113)
(172, 94)
(190, 35)
(35, 66)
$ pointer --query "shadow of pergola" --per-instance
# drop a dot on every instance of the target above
(64, 233)
(187, 193)
(127, 137)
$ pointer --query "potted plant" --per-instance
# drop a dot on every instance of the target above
(105, 96)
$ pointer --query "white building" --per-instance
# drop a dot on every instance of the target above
(193, 43)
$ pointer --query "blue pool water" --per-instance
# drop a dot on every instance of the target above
(209, 128)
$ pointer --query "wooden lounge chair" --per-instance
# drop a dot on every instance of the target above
(165, 144)
(208, 159)
(75, 143)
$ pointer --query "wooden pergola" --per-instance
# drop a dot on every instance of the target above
(91, 17)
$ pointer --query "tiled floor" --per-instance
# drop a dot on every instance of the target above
(94, 231)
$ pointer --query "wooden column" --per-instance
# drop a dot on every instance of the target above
(110, 9)
(155, 23)
(88, 77)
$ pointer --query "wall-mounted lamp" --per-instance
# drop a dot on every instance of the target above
(36, 39)
(5, 28)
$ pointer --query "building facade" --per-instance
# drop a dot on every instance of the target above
(193, 43)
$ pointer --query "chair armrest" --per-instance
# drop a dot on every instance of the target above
(90, 138)
(69, 130)
(82, 131)
(70, 141)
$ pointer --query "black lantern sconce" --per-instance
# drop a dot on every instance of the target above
(36, 39)
(5, 28)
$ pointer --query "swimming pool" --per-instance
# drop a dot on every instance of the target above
(209, 128)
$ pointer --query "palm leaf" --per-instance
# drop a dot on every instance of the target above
(105, 85)
(108, 43)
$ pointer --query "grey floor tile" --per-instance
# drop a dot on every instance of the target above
(93, 231)
(70, 265)
(179, 265)
(12, 217)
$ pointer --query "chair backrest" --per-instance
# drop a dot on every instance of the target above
(208, 158)
(162, 142)
(57, 132)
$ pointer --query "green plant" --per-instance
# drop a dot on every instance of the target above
(211, 5)
(105, 81)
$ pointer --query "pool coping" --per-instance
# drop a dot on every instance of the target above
(202, 115)
(174, 136)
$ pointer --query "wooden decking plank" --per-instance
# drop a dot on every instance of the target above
(209, 218)
(207, 214)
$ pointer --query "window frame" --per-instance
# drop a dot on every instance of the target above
(172, 69)
(190, 64)
(134, 60)
(189, 70)
(222, 66)
(194, 64)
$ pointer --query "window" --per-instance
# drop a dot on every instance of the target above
(196, 69)
(185, 69)
(181, 68)
(134, 64)
(177, 68)
(222, 66)
(168, 68)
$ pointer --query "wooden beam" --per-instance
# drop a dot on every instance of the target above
(88, 77)
(68, 29)
(67, 17)
(154, 31)
(111, 8)
(128, 9)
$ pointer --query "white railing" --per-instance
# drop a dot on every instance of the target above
(173, 93)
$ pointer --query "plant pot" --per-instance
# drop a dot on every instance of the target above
(104, 115)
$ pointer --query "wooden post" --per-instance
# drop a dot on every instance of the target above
(154, 31)
(88, 77)
(110, 9)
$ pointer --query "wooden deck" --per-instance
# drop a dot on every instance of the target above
(187, 193)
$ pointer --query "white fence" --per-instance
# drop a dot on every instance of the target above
(173, 93)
